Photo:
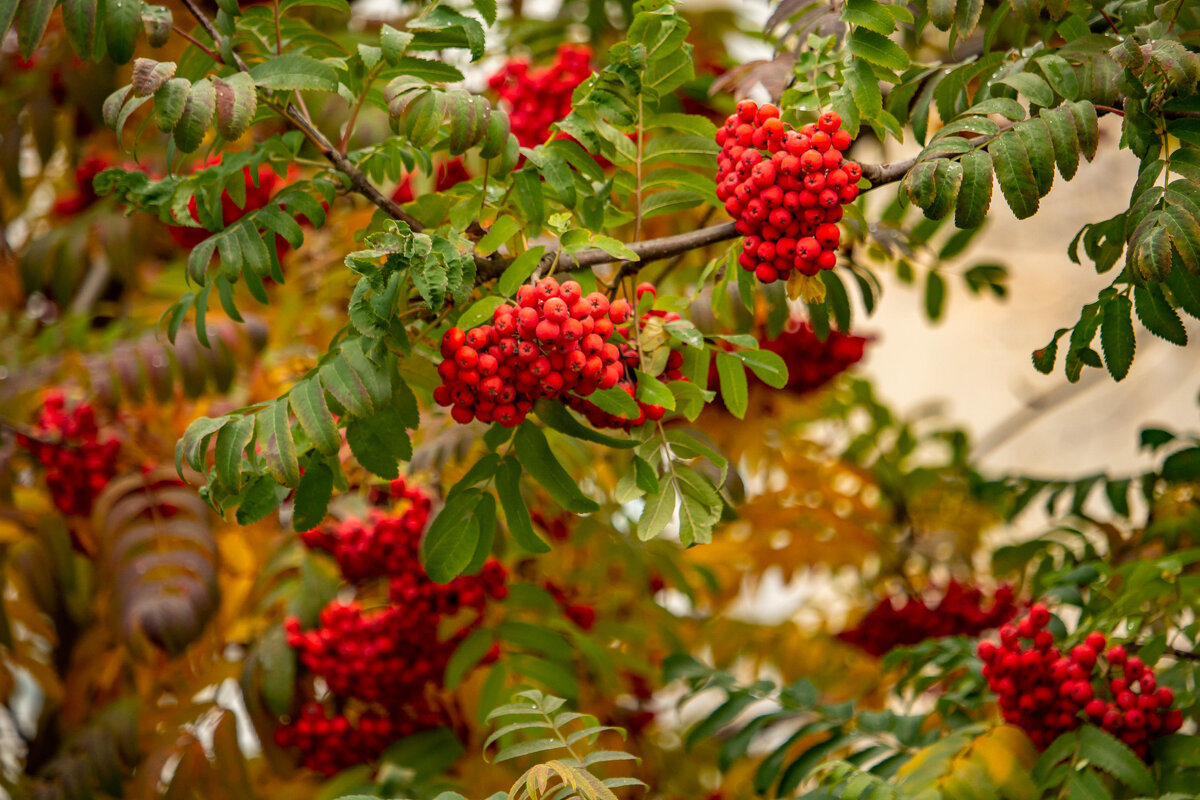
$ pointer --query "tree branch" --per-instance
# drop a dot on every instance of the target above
(358, 181)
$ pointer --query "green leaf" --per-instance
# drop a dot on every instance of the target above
(527, 188)
(308, 403)
(122, 24)
(1034, 87)
(1036, 137)
(556, 416)
(292, 71)
(346, 387)
(519, 271)
(312, 496)
(864, 88)
(1043, 359)
(502, 230)
(614, 247)
(8, 12)
(670, 202)
(79, 18)
(966, 16)
(237, 102)
(467, 656)
(874, 16)
(1114, 757)
(615, 401)
(487, 10)
(734, 390)
(1015, 174)
(485, 518)
(697, 151)
(379, 441)
(450, 542)
(1185, 289)
(169, 102)
(1005, 106)
(481, 311)
(539, 461)
(878, 49)
(274, 434)
(508, 488)
(231, 442)
(1064, 138)
(769, 367)
(652, 391)
(198, 112)
(1116, 336)
(1087, 127)
(949, 178)
(262, 497)
(1157, 315)
(158, 24)
(935, 295)
(393, 43)
(1060, 74)
(659, 510)
(975, 193)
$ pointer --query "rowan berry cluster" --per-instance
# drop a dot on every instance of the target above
(962, 611)
(1047, 692)
(67, 443)
(811, 362)
(380, 664)
(553, 342)
(380, 545)
(787, 200)
(539, 97)
(334, 743)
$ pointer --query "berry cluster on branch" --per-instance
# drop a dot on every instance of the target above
(785, 188)
(554, 343)
(962, 611)
(539, 97)
(811, 362)
(67, 443)
(1047, 692)
(381, 665)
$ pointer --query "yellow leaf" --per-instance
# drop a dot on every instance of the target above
(808, 288)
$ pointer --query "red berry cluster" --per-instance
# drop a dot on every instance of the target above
(449, 173)
(67, 443)
(334, 743)
(554, 342)
(811, 362)
(598, 417)
(962, 611)
(537, 98)
(379, 664)
(381, 545)
(1048, 693)
(788, 200)
(581, 614)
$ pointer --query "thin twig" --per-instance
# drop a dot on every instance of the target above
(197, 43)
(358, 181)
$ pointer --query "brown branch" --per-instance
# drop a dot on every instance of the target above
(358, 181)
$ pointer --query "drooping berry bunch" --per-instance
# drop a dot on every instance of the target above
(553, 343)
(378, 546)
(785, 188)
(67, 443)
(962, 611)
(1048, 693)
(380, 665)
(539, 97)
(811, 362)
